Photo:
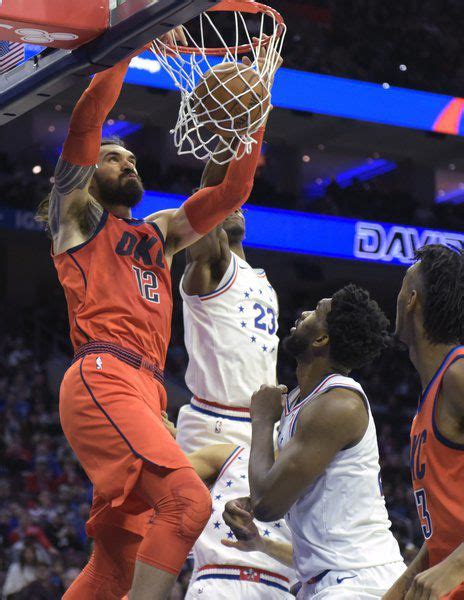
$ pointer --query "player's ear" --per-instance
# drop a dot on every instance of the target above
(412, 301)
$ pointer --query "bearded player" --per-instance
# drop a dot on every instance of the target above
(430, 321)
(115, 272)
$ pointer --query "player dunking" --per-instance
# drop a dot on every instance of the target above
(115, 272)
(326, 478)
(430, 321)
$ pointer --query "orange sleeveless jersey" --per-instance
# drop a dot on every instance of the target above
(437, 468)
(118, 288)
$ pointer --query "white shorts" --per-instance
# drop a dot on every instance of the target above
(370, 583)
(223, 589)
(196, 430)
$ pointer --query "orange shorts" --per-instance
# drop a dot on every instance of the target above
(110, 413)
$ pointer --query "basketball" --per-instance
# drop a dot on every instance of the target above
(231, 98)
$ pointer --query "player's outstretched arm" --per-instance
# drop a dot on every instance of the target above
(208, 461)
(72, 213)
(325, 426)
(208, 207)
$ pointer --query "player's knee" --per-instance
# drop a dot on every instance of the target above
(195, 504)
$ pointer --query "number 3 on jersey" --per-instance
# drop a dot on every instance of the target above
(147, 283)
(424, 515)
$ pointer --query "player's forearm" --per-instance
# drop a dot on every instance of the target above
(279, 551)
(261, 462)
(82, 144)
(208, 207)
(419, 564)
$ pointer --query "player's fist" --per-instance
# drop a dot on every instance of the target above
(267, 403)
(238, 515)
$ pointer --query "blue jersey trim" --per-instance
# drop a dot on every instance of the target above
(158, 231)
(438, 372)
(213, 414)
(440, 437)
(225, 284)
(237, 578)
(80, 269)
(100, 226)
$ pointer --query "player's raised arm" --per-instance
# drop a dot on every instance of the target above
(327, 425)
(70, 211)
(208, 207)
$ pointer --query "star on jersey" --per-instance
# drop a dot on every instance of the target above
(253, 339)
(278, 525)
(229, 483)
(217, 525)
(230, 535)
(266, 533)
(264, 348)
(260, 291)
(247, 294)
(243, 324)
(242, 476)
(218, 497)
(241, 309)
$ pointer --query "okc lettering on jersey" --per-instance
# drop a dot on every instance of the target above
(417, 462)
(139, 248)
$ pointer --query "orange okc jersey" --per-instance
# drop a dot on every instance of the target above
(437, 468)
(118, 288)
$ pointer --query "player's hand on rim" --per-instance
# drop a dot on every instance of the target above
(175, 35)
(267, 403)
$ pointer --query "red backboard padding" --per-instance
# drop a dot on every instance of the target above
(55, 23)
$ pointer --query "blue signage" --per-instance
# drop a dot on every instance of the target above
(300, 233)
(337, 96)
(320, 235)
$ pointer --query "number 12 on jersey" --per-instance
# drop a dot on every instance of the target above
(147, 283)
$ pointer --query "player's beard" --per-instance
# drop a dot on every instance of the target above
(296, 345)
(127, 191)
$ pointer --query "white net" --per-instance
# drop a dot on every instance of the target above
(225, 97)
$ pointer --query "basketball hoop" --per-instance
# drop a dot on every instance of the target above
(224, 34)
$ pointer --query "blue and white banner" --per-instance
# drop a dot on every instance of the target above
(300, 233)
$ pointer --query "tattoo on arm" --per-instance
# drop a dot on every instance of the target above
(68, 177)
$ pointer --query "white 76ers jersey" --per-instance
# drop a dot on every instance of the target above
(340, 522)
(231, 336)
(232, 483)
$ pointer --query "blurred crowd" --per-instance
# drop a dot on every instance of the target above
(409, 44)
(44, 494)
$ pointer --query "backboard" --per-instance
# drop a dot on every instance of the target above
(79, 39)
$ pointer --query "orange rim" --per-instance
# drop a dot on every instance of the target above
(244, 6)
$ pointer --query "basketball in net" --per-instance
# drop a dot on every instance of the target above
(231, 100)
(224, 76)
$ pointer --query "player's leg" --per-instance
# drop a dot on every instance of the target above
(108, 574)
(182, 506)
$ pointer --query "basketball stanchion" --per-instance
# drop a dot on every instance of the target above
(224, 76)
